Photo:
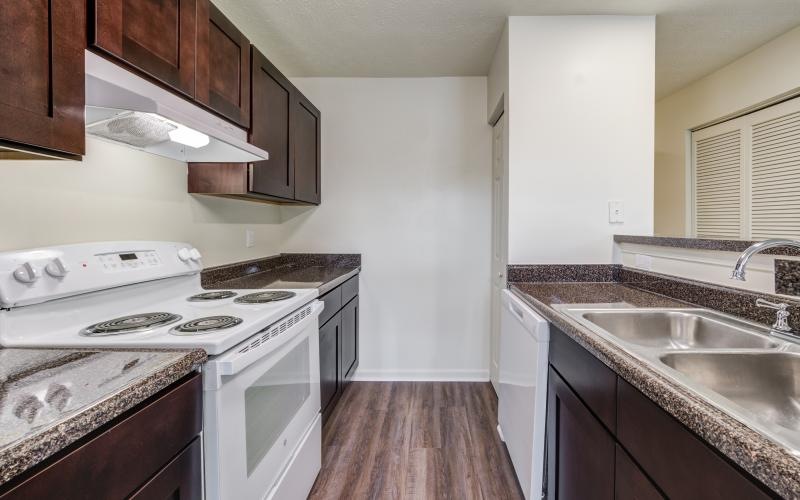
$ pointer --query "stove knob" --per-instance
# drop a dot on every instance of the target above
(57, 268)
(26, 273)
(184, 254)
(195, 254)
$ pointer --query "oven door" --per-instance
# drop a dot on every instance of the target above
(259, 404)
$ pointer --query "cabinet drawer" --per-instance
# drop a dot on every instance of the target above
(591, 380)
(120, 459)
(677, 460)
(349, 289)
(333, 302)
(630, 482)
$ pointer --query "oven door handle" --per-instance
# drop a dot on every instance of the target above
(239, 358)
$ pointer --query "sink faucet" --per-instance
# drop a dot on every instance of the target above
(741, 264)
(781, 326)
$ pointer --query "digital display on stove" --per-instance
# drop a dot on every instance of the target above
(128, 256)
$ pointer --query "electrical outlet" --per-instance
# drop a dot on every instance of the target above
(616, 211)
(249, 238)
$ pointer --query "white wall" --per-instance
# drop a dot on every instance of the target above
(759, 76)
(580, 104)
(117, 193)
(407, 183)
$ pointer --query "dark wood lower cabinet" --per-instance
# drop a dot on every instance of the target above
(644, 454)
(148, 451)
(630, 482)
(349, 339)
(338, 343)
(328, 361)
(179, 480)
(580, 450)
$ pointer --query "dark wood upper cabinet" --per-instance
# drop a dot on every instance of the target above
(42, 77)
(284, 123)
(157, 37)
(223, 65)
(307, 150)
(271, 123)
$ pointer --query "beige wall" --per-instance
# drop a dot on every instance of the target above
(117, 193)
(760, 75)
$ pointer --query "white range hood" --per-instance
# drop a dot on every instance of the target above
(124, 108)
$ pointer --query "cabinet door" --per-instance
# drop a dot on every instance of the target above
(42, 75)
(630, 482)
(157, 37)
(180, 479)
(349, 339)
(269, 129)
(223, 65)
(328, 356)
(580, 452)
(307, 151)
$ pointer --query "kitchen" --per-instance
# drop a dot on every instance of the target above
(277, 250)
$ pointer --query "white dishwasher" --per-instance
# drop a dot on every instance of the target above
(524, 344)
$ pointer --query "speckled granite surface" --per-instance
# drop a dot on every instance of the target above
(787, 277)
(700, 244)
(50, 398)
(773, 464)
(562, 273)
(322, 271)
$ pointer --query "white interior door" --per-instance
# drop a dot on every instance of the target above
(499, 242)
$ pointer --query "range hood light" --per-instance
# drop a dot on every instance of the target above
(189, 137)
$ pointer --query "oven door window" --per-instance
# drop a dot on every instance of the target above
(273, 400)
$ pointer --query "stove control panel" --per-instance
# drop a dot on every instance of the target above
(128, 261)
(42, 274)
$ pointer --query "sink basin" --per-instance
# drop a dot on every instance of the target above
(767, 384)
(677, 329)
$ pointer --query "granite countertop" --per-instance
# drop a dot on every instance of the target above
(322, 271)
(50, 398)
(777, 466)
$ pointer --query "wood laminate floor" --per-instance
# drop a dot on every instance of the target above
(415, 440)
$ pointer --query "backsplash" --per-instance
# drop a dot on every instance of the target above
(562, 273)
(787, 277)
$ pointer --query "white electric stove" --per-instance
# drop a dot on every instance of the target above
(261, 383)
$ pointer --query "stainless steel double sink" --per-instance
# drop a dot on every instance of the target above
(735, 364)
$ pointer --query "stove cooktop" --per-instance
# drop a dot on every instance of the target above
(154, 314)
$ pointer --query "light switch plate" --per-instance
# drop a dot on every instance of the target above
(249, 238)
(616, 211)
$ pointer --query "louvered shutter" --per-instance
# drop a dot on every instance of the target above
(718, 184)
(775, 165)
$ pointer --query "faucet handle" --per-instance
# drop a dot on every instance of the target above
(780, 306)
(782, 320)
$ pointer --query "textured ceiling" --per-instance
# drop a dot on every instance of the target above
(396, 38)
